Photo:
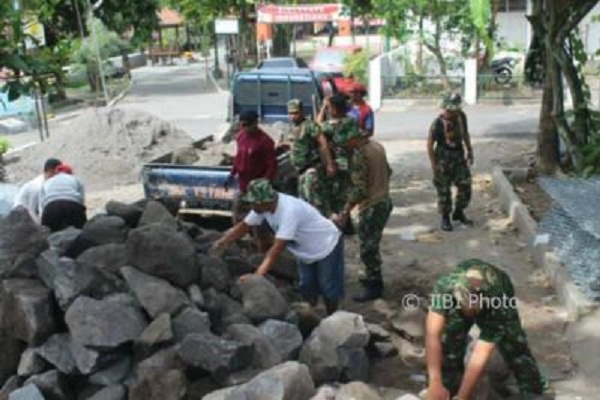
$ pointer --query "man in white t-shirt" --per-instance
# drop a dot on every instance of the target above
(314, 240)
(29, 195)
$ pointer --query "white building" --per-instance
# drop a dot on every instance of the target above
(515, 30)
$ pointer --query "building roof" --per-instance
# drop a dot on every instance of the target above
(169, 17)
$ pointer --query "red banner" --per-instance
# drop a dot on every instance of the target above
(275, 14)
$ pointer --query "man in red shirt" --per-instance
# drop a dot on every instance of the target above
(255, 158)
(362, 112)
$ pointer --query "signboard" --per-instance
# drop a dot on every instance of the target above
(276, 14)
(227, 27)
(33, 28)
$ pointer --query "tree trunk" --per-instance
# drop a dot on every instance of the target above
(547, 137)
(61, 93)
(126, 63)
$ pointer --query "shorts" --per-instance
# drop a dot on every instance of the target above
(324, 277)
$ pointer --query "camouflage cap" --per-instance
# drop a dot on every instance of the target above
(467, 288)
(294, 105)
(451, 101)
(260, 191)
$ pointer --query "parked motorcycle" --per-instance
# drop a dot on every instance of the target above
(503, 69)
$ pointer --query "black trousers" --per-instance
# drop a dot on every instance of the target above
(60, 214)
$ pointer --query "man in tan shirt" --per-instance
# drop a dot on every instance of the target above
(370, 173)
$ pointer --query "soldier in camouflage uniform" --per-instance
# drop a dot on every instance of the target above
(475, 292)
(370, 176)
(448, 138)
(337, 129)
(311, 157)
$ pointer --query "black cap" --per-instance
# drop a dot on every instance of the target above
(51, 164)
(339, 102)
(249, 116)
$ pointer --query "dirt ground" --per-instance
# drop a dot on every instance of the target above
(411, 267)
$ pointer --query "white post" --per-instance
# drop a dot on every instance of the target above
(375, 90)
(471, 81)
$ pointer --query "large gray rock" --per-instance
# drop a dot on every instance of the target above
(159, 331)
(156, 295)
(190, 321)
(57, 351)
(107, 257)
(30, 364)
(105, 323)
(11, 384)
(130, 213)
(167, 385)
(214, 354)
(61, 241)
(335, 350)
(113, 374)
(344, 329)
(265, 354)
(355, 364)
(322, 359)
(103, 229)
(161, 251)
(215, 273)
(286, 266)
(21, 241)
(10, 351)
(27, 310)
(156, 213)
(261, 300)
(52, 384)
(285, 337)
(27, 392)
(287, 381)
(116, 392)
(87, 360)
(161, 361)
(195, 294)
(70, 279)
(357, 390)
(410, 323)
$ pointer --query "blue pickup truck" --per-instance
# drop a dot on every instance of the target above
(201, 190)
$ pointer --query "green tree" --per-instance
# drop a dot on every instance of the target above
(27, 69)
(556, 54)
(85, 56)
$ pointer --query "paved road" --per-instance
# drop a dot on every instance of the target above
(180, 95)
(488, 120)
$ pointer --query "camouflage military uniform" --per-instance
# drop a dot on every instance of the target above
(498, 325)
(372, 218)
(452, 166)
(306, 158)
(336, 132)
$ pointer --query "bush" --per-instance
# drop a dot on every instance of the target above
(357, 65)
(4, 145)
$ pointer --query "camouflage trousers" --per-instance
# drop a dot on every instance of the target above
(452, 170)
(512, 345)
(340, 186)
(371, 223)
(314, 188)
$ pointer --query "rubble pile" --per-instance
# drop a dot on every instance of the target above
(105, 147)
(134, 306)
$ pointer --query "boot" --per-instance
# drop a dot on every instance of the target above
(459, 215)
(349, 228)
(371, 291)
(446, 224)
(331, 306)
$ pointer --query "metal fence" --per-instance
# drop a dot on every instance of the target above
(415, 86)
(506, 87)
(574, 229)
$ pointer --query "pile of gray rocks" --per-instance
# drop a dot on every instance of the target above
(133, 306)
